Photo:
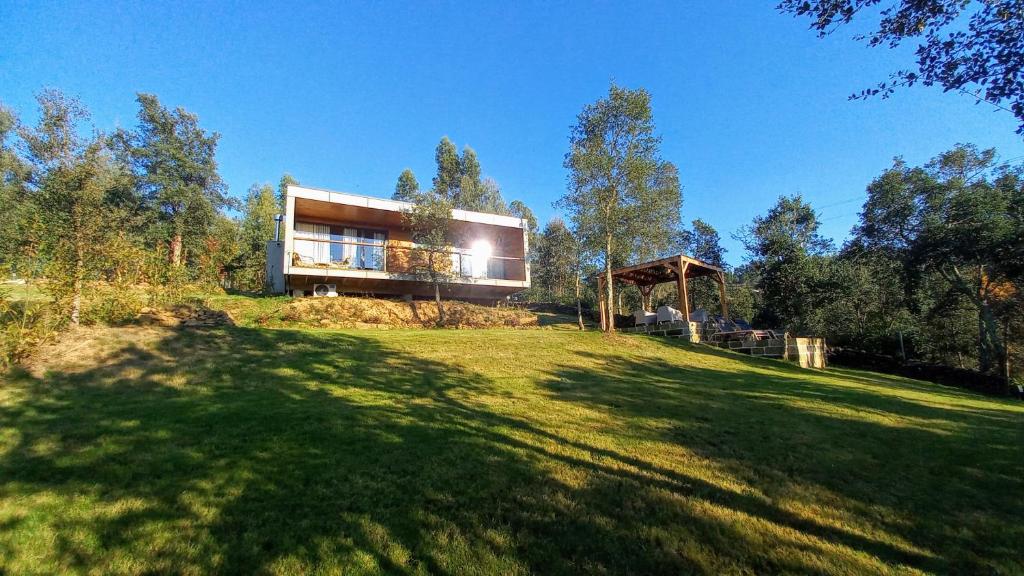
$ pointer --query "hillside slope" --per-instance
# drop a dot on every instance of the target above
(245, 450)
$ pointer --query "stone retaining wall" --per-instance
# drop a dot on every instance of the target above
(807, 352)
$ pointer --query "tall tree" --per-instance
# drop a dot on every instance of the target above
(961, 217)
(972, 47)
(72, 178)
(407, 189)
(256, 229)
(556, 262)
(174, 162)
(429, 221)
(282, 190)
(785, 250)
(449, 171)
(619, 187)
(704, 243)
(17, 225)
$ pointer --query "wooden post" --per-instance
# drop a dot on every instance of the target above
(684, 296)
(601, 297)
(645, 292)
(722, 296)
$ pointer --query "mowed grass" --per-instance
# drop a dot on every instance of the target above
(241, 450)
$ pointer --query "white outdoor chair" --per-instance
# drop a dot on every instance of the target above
(669, 314)
(643, 317)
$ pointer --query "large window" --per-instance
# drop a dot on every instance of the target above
(339, 246)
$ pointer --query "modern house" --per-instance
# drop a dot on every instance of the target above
(334, 242)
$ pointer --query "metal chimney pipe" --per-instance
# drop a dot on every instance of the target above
(277, 226)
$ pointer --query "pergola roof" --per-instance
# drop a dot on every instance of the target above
(664, 270)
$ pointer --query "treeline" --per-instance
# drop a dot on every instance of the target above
(128, 207)
(932, 271)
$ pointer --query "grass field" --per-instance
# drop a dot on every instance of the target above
(246, 450)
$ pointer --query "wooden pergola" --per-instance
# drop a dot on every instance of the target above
(646, 276)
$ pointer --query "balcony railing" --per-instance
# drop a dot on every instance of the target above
(399, 258)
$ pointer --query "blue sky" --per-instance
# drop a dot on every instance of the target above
(749, 102)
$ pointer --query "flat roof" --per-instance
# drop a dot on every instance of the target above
(350, 199)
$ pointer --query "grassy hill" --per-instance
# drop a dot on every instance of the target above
(252, 450)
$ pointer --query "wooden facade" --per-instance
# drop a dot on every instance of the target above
(372, 229)
(646, 276)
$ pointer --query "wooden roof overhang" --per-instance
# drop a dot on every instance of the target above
(665, 270)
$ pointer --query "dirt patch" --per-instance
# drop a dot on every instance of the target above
(351, 312)
(184, 316)
(85, 347)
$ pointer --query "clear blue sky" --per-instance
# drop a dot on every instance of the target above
(749, 102)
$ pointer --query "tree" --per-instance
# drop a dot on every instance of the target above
(619, 187)
(704, 243)
(407, 189)
(17, 225)
(282, 190)
(961, 217)
(449, 171)
(962, 43)
(429, 221)
(256, 229)
(72, 178)
(785, 250)
(175, 167)
(557, 257)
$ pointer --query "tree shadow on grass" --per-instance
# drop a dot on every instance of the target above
(252, 451)
(248, 451)
(942, 482)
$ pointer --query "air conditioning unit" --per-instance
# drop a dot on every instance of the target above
(330, 290)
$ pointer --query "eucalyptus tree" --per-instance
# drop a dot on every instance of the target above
(622, 196)
(407, 189)
(282, 190)
(555, 274)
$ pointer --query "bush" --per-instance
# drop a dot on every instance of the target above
(23, 328)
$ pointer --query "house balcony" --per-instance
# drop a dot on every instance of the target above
(362, 245)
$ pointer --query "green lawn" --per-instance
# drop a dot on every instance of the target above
(246, 450)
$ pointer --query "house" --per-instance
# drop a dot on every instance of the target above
(358, 245)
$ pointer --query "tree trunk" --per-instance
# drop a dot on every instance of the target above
(440, 307)
(76, 287)
(609, 291)
(991, 351)
(579, 303)
(176, 243)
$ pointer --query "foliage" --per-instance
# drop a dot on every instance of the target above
(74, 183)
(282, 190)
(786, 254)
(963, 44)
(959, 217)
(173, 160)
(19, 222)
(24, 327)
(407, 189)
(429, 221)
(623, 199)
(554, 276)
(255, 230)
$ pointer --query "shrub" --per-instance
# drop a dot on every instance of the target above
(23, 328)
